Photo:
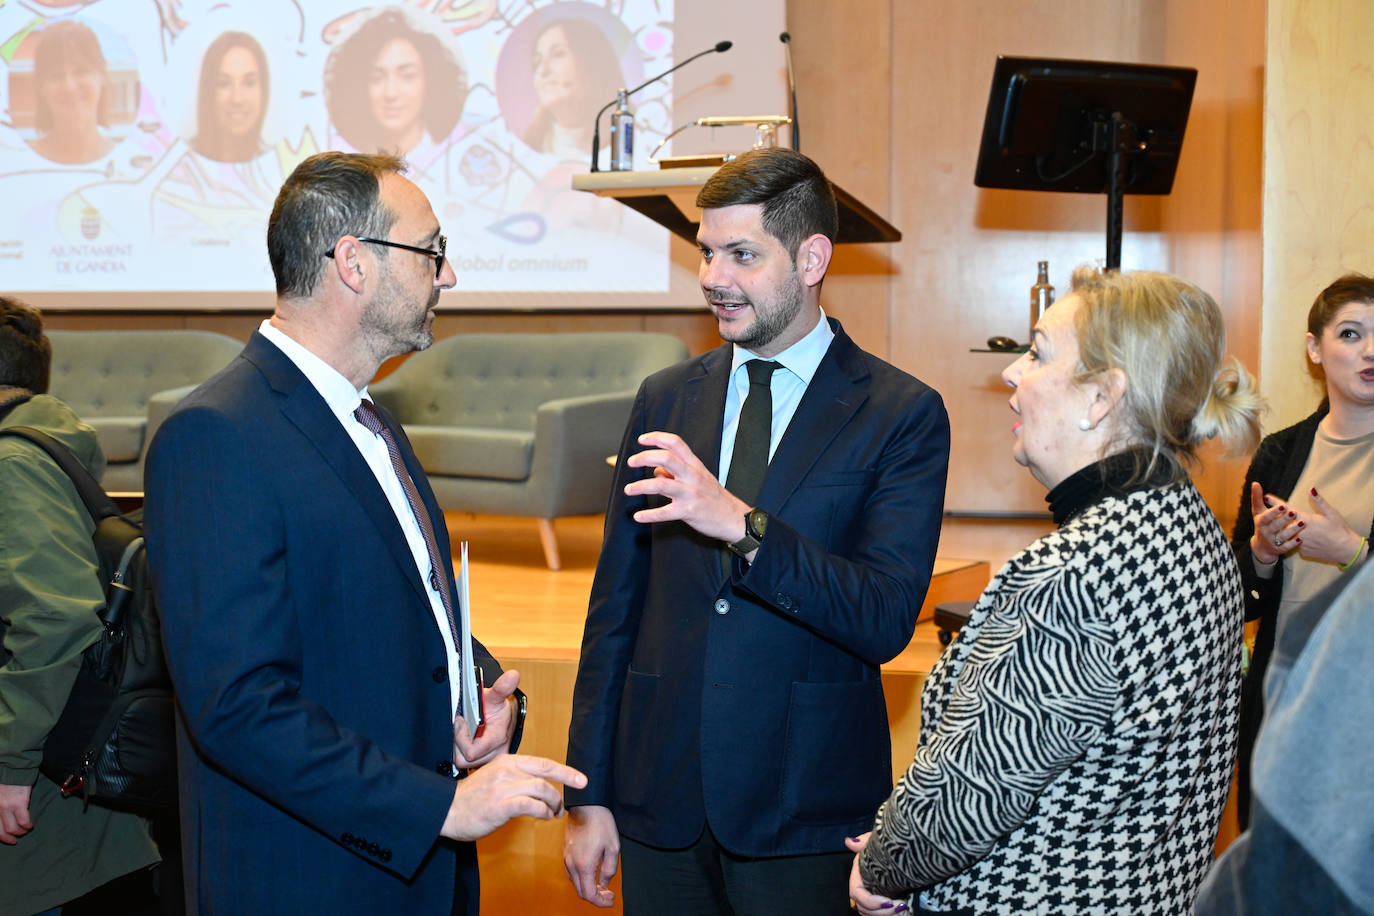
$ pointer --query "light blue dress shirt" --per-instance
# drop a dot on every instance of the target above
(799, 363)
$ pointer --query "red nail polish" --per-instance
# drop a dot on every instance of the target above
(1297, 540)
(1302, 524)
(1314, 491)
(1281, 509)
(1292, 515)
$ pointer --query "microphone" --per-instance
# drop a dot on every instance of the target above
(786, 40)
(719, 47)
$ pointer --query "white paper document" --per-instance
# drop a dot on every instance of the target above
(472, 684)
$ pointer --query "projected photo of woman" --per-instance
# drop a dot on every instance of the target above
(391, 87)
(575, 71)
(232, 99)
(71, 82)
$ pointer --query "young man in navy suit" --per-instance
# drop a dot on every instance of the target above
(303, 573)
(728, 710)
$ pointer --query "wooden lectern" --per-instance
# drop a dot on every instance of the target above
(667, 196)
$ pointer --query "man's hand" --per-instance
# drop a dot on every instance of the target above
(498, 707)
(695, 495)
(860, 897)
(14, 813)
(591, 851)
(512, 785)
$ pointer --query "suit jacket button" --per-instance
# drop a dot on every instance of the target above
(444, 767)
(722, 606)
(440, 674)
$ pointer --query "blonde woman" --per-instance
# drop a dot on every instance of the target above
(1077, 738)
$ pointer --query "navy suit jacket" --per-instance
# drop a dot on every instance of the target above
(308, 666)
(754, 700)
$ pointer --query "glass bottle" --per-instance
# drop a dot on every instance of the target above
(622, 135)
(1041, 294)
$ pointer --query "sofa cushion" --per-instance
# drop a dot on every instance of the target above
(121, 438)
(114, 373)
(467, 451)
(499, 381)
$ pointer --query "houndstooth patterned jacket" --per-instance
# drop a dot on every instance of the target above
(1077, 739)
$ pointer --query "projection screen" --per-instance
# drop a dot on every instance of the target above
(144, 140)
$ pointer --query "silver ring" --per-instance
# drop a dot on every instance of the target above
(1278, 541)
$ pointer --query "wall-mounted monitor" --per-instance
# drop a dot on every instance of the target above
(1047, 122)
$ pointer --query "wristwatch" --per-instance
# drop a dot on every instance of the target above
(755, 524)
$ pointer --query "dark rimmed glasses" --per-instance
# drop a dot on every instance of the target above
(438, 256)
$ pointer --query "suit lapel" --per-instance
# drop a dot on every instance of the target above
(703, 407)
(702, 424)
(304, 408)
(837, 390)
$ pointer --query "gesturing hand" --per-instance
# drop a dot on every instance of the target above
(1327, 536)
(512, 785)
(1277, 527)
(498, 704)
(695, 495)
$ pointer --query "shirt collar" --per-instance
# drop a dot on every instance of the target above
(802, 358)
(337, 391)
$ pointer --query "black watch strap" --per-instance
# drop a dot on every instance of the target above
(755, 523)
(521, 707)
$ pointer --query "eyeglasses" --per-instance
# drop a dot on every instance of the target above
(438, 256)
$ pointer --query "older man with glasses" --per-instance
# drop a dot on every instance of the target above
(302, 567)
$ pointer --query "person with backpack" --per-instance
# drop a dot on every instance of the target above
(53, 849)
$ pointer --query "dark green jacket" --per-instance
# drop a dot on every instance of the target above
(49, 596)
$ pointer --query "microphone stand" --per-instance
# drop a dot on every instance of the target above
(717, 48)
(786, 40)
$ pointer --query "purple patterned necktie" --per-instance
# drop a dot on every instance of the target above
(367, 415)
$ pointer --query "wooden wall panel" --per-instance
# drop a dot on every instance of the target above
(968, 260)
(963, 270)
(842, 55)
(1212, 218)
(1318, 172)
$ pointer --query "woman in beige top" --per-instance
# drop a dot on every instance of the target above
(1307, 510)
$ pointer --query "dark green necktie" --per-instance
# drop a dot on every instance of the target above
(749, 462)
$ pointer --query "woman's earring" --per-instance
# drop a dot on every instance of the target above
(1085, 424)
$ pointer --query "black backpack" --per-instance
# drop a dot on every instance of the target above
(115, 742)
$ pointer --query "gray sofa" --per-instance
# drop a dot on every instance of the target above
(124, 383)
(522, 424)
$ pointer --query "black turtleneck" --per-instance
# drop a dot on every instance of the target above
(1109, 477)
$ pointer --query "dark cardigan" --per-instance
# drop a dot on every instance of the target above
(1277, 465)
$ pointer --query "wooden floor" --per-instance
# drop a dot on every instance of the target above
(531, 619)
